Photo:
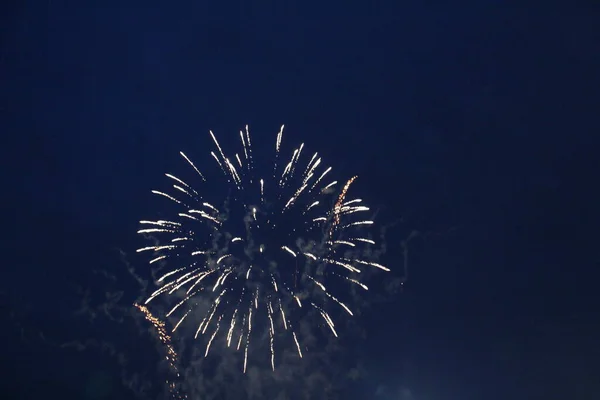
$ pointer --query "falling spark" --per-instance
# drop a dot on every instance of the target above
(165, 339)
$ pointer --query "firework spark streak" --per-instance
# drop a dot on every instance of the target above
(267, 253)
(166, 341)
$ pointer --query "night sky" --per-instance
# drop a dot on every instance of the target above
(475, 125)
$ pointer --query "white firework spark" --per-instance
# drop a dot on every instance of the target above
(266, 253)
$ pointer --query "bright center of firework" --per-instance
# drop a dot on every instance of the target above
(265, 241)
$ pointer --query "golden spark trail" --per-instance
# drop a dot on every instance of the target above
(165, 339)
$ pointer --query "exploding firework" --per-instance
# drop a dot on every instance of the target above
(270, 251)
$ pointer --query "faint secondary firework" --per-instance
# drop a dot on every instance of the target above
(171, 355)
(266, 250)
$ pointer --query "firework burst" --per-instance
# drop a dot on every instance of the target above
(269, 252)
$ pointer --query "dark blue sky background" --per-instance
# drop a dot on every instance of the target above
(477, 122)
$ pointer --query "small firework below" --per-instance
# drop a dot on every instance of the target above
(262, 248)
(166, 341)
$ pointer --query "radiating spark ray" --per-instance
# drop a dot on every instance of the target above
(354, 281)
(289, 250)
(218, 145)
(210, 206)
(156, 259)
(320, 178)
(155, 248)
(271, 336)
(188, 216)
(372, 264)
(183, 190)
(324, 289)
(327, 319)
(181, 320)
(248, 338)
(213, 336)
(231, 327)
(218, 162)
(179, 304)
(364, 240)
(345, 242)
(244, 145)
(346, 265)
(176, 179)
(205, 216)
(357, 223)
(241, 333)
(330, 185)
(262, 191)
(222, 258)
(249, 146)
(297, 344)
(192, 164)
(285, 326)
(156, 230)
(279, 137)
(162, 278)
(162, 223)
